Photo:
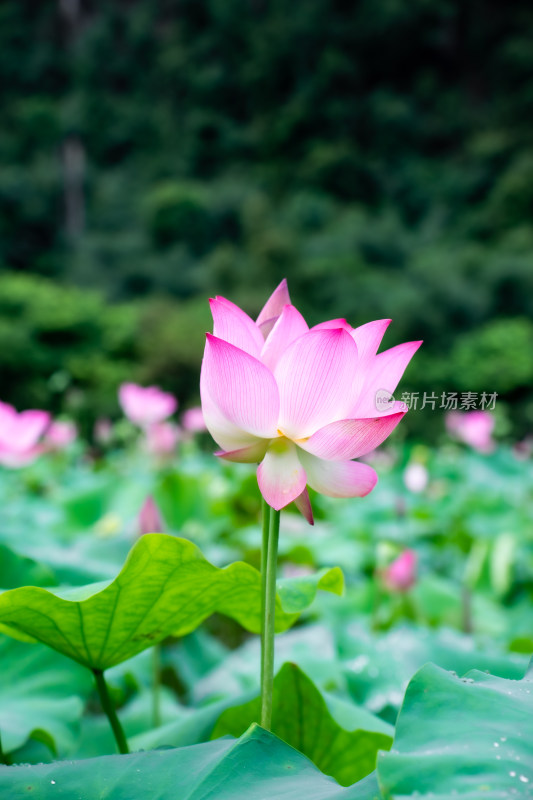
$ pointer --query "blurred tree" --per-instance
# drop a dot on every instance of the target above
(379, 156)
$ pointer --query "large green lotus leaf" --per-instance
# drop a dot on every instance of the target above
(301, 717)
(136, 716)
(89, 558)
(95, 736)
(379, 681)
(42, 696)
(108, 500)
(17, 570)
(311, 646)
(193, 656)
(165, 587)
(255, 767)
(297, 593)
(461, 737)
(184, 496)
(195, 724)
(438, 601)
(189, 726)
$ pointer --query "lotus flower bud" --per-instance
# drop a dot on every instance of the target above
(150, 517)
(400, 576)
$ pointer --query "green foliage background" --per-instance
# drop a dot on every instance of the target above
(379, 156)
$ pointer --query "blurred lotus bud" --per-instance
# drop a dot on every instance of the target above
(472, 427)
(103, 431)
(60, 434)
(400, 576)
(193, 420)
(162, 439)
(415, 477)
(150, 517)
(522, 450)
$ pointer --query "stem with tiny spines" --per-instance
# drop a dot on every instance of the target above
(110, 712)
(3, 756)
(268, 604)
(466, 602)
(156, 685)
(264, 553)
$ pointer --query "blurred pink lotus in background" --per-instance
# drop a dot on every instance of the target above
(60, 434)
(472, 427)
(193, 421)
(146, 405)
(20, 435)
(400, 576)
(161, 439)
(302, 403)
(150, 520)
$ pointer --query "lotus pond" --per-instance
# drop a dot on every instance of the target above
(381, 689)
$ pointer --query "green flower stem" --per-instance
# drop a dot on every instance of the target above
(3, 756)
(109, 709)
(466, 602)
(156, 685)
(264, 552)
(268, 570)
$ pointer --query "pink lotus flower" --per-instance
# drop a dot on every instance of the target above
(20, 434)
(193, 420)
(162, 439)
(150, 517)
(60, 434)
(146, 405)
(300, 402)
(400, 576)
(472, 427)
